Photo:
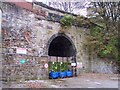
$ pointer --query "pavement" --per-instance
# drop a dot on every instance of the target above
(84, 80)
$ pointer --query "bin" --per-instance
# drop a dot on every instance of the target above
(53, 75)
(63, 74)
(69, 73)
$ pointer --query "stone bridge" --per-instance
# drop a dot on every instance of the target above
(32, 36)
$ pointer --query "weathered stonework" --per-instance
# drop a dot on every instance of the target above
(25, 29)
(28, 29)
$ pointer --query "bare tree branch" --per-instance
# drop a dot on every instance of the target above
(68, 6)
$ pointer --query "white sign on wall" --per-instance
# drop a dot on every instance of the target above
(73, 64)
(46, 65)
(21, 51)
(79, 65)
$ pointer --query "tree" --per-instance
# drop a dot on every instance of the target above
(107, 11)
(107, 15)
(68, 6)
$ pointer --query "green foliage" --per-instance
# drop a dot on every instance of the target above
(107, 51)
(82, 21)
(102, 43)
(66, 21)
(63, 66)
(96, 31)
(53, 66)
(57, 66)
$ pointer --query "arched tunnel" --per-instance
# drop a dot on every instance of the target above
(61, 47)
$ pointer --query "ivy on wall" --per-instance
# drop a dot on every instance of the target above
(99, 42)
(66, 21)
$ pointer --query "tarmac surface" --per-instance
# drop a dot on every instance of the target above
(84, 80)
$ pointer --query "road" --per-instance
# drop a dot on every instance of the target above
(84, 80)
(89, 80)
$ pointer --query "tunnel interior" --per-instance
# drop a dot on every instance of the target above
(61, 46)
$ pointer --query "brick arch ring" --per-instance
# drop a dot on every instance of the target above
(65, 39)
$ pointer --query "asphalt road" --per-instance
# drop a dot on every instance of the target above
(88, 80)
(84, 80)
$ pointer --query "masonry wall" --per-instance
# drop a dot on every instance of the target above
(22, 28)
(25, 29)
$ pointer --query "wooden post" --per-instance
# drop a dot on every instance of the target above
(75, 66)
(62, 59)
(57, 63)
(67, 63)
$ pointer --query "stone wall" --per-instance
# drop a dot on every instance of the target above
(103, 66)
(27, 29)
(22, 28)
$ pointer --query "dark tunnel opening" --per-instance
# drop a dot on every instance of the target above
(61, 47)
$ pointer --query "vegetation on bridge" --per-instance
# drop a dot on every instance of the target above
(102, 39)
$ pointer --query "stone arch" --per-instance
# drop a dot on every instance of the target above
(60, 45)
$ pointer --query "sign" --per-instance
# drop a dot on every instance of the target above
(73, 64)
(21, 51)
(79, 65)
(22, 61)
(46, 65)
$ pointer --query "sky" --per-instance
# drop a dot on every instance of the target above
(82, 12)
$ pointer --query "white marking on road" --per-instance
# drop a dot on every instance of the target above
(91, 87)
(97, 83)
(87, 80)
(54, 86)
